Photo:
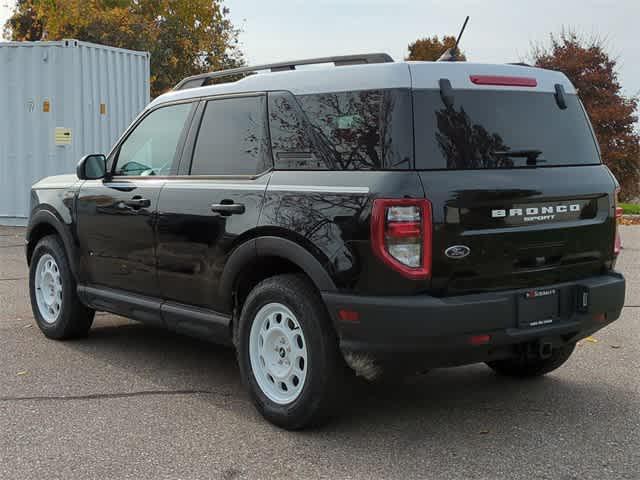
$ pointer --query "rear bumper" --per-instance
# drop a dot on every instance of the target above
(450, 328)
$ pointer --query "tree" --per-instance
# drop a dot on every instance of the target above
(184, 37)
(430, 49)
(594, 74)
(25, 25)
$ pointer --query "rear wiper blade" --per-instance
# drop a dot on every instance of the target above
(530, 154)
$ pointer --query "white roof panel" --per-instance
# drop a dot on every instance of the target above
(376, 76)
(427, 75)
(308, 80)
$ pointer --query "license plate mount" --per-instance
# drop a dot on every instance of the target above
(538, 307)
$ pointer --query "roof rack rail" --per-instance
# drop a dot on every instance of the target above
(358, 59)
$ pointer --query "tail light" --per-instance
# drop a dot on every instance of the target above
(401, 235)
(617, 244)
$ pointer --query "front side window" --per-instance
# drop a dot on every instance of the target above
(151, 148)
(233, 138)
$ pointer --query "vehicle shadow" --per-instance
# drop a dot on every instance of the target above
(472, 396)
(168, 360)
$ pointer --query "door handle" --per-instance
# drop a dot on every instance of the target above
(138, 202)
(227, 208)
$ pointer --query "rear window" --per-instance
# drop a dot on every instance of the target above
(360, 130)
(483, 127)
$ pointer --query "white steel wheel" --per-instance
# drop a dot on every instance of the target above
(48, 283)
(278, 353)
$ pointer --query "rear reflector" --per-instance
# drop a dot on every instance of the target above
(348, 315)
(600, 317)
(479, 339)
(504, 81)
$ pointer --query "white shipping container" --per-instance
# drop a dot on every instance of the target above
(58, 102)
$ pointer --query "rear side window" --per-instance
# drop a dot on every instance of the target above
(483, 127)
(233, 138)
(292, 135)
(363, 130)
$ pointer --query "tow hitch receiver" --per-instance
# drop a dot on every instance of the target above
(545, 348)
(541, 349)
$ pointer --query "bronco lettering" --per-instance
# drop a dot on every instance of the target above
(529, 214)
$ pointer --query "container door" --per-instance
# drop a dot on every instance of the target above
(116, 216)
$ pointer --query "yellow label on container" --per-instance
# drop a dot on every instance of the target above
(103, 109)
(46, 106)
(63, 136)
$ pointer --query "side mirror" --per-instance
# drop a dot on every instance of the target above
(92, 167)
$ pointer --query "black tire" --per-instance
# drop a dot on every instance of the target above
(530, 366)
(74, 319)
(326, 370)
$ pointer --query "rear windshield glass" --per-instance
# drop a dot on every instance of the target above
(490, 129)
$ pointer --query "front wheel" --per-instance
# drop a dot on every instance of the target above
(288, 353)
(530, 366)
(54, 301)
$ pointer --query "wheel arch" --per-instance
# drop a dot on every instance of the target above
(265, 256)
(43, 223)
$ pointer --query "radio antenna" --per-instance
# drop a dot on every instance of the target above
(451, 54)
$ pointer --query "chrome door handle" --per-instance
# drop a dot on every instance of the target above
(228, 208)
(138, 202)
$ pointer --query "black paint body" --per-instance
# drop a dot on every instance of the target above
(175, 262)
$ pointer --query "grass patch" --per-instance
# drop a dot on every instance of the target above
(630, 208)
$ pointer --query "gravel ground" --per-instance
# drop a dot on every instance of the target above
(137, 402)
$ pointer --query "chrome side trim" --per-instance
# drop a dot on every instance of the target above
(271, 188)
(318, 189)
(216, 186)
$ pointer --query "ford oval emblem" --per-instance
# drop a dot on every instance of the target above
(457, 251)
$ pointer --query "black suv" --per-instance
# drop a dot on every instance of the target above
(373, 217)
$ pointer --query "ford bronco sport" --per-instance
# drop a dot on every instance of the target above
(372, 217)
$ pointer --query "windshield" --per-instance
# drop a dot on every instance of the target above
(493, 129)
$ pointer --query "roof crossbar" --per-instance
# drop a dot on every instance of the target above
(358, 59)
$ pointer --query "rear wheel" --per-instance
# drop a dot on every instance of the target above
(288, 353)
(532, 366)
(54, 301)
(278, 353)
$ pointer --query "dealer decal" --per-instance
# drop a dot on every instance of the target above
(540, 293)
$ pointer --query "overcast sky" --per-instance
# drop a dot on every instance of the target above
(499, 30)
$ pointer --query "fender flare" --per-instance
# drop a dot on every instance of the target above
(47, 217)
(270, 246)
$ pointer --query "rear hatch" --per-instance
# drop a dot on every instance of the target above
(511, 167)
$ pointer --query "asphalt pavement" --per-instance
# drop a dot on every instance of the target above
(137, 402)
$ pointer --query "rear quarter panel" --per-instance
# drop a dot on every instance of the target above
(328, 213)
